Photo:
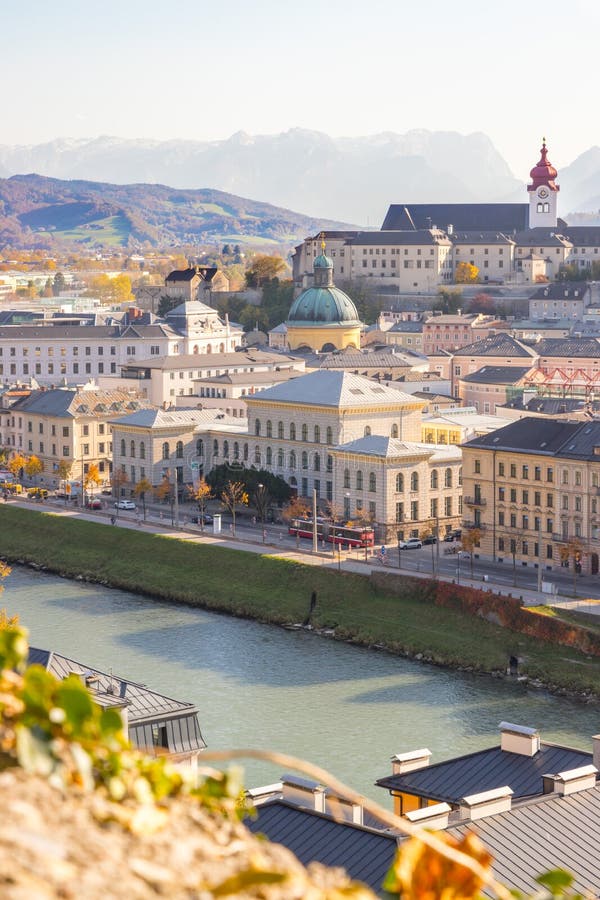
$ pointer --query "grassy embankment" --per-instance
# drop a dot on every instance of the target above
(278, 591)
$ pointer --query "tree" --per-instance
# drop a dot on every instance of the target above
(449, 301)
(569, 554)
(165, 491)
(482, 303)
(233, 497)
(297, 508)
(201, 494)
(118, 479)
(466, 273)
(140, 490)
(469, 540)
(264, 268)
(262, 499)
(92, 479)
(16, 465)
(63, 470)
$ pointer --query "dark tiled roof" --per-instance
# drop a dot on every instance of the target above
(583, 235)
(496, 375)
(542, 237)
(582, 444)
(550, 406)
(366, 855)
(505, 217)
(530, 434)
(496, 345)
(333, 235)
(408, 327)
(485, 770)
(551, 832)
(400, 238)
(480, 237)
(561, 290)
(182, 274)
(569, 347)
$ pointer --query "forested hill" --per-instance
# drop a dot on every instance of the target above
(37, 212)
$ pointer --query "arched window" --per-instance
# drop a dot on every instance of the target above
(245, 452)
(540, 207)
(346, 478)
(142, 450)
(123, 451)
(317, 435)
(165, 450)
(317, 462)
(221, 348)
(199, 447)
(132, 448)
(236, 450)
(329, 463)
(372, 481)
(448, 478)
(293, 459)
(305, 433)
(359, 480)
(400, 483)
(292, 432)
(257, 456)
(269, 454)
(269, 428)
(209, 348)
(304, 459)
(329, 435)
(226, 449)
(280, 430)
(367, 430)
(215, 447)
(460, 476)
(434, 480)
(394, 431)
(179, 450)
(280, 458)
(257, 428)
(195, 350)
(414, 481)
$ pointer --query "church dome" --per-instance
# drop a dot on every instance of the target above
(323, 305)
(544, 172)
(323, 262)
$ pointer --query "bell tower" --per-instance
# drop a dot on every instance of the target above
(543, 192)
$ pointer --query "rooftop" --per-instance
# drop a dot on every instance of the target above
(497, 375)
(333, 388)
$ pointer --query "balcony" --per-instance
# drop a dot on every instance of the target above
(475, 501)
(469, 523)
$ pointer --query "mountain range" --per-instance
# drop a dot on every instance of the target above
(329, 179)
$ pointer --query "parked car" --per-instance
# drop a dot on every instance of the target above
(451, 536)
(94, 503)
(125, 504)
(197, 520)
(430, 540)
(410, 544)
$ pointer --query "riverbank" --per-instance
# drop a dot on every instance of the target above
(277, 591)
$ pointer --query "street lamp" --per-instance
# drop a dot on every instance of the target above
(261, 499)
(339, 536)
(399, 550)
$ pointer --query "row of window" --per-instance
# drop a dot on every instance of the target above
(62, 369)
(62, 351)
(537, 473)
(293, 432)
(66, 450)
(413, 509)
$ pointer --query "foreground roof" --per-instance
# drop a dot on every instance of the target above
(504, 217)
(332, 388)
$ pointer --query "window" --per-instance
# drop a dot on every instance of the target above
(501, 469)
(537, 473)
(359, 481)
(329, 463)
(280, 458)
(513, 495)
(549, 551)
(165, 450)
(245, 452)
(269, 428)
(565, 502)
(448, 478)
(549, 525)
(513, 520)
(367, 430)
(257, 455)
(525, 523)
(501, 492)
(236, 450)
(304, 433)
(578, 478)
(434, 480)
(477, 467)
(447, 506)
(280, 430)
(525, 472)
(142, 450)
(179, 450)
(565, 476)
(199, 447)
(500, 518)
(346, 478)
(257, 427)
(513, 470)
(549, 474)
(317, 463)
(578, 504)
(292, 432)
(525, 496)
(292, 460)
(400, 511)
(132, 448)
(317, 435)
(550, 500)
(414, 481)
(537, 498)
(123, 447)
(501, 544)
(329, 433)
(394, 432)
(304, 459)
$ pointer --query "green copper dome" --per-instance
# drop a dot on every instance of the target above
(323, 305)
(323, 262)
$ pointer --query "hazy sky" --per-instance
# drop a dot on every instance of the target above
(204, 70)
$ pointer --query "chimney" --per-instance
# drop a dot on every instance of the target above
(596, 750)
(488, 803)
(519, 739)
(408, 762)
(435, 816)
(450, 229)
(319, 798)
(570, 782)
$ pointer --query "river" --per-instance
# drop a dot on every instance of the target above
(342, 707)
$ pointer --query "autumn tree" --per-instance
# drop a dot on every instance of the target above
(261, 501)
(297, 508)
(466, 273)
(165, 491)
(234, 496)
(92, 479)
(201, 494)
(470, 540)
(264, 268)
(118, 479)
(140, 490)
(482, 303)
(16, 465)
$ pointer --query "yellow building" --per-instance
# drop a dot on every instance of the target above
(323, 318)
(533, 491)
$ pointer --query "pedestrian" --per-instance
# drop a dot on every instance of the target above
(112, 520)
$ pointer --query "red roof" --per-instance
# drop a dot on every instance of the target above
(543, 173)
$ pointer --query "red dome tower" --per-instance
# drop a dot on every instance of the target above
(543, 192)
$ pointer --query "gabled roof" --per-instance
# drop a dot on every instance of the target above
(571, 347)
(504, 217)
(67, 403)
(176, 418)
(543, 237)
(332, 388)
(480, 237)
(364, 853)
(496, 375)
(561, 290)
(191, 308)
(542, 436)
(497, 345)
(380, 445)
(425, 235)
(550, 832)
(484, 770)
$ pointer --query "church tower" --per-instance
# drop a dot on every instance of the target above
(543, 192)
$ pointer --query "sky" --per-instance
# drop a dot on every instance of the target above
(202, 71)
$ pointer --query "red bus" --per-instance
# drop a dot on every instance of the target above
(349, 536)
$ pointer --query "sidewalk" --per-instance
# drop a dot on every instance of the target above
(345, 563)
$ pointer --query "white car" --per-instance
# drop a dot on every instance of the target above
(125, 504)
(410, 544)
